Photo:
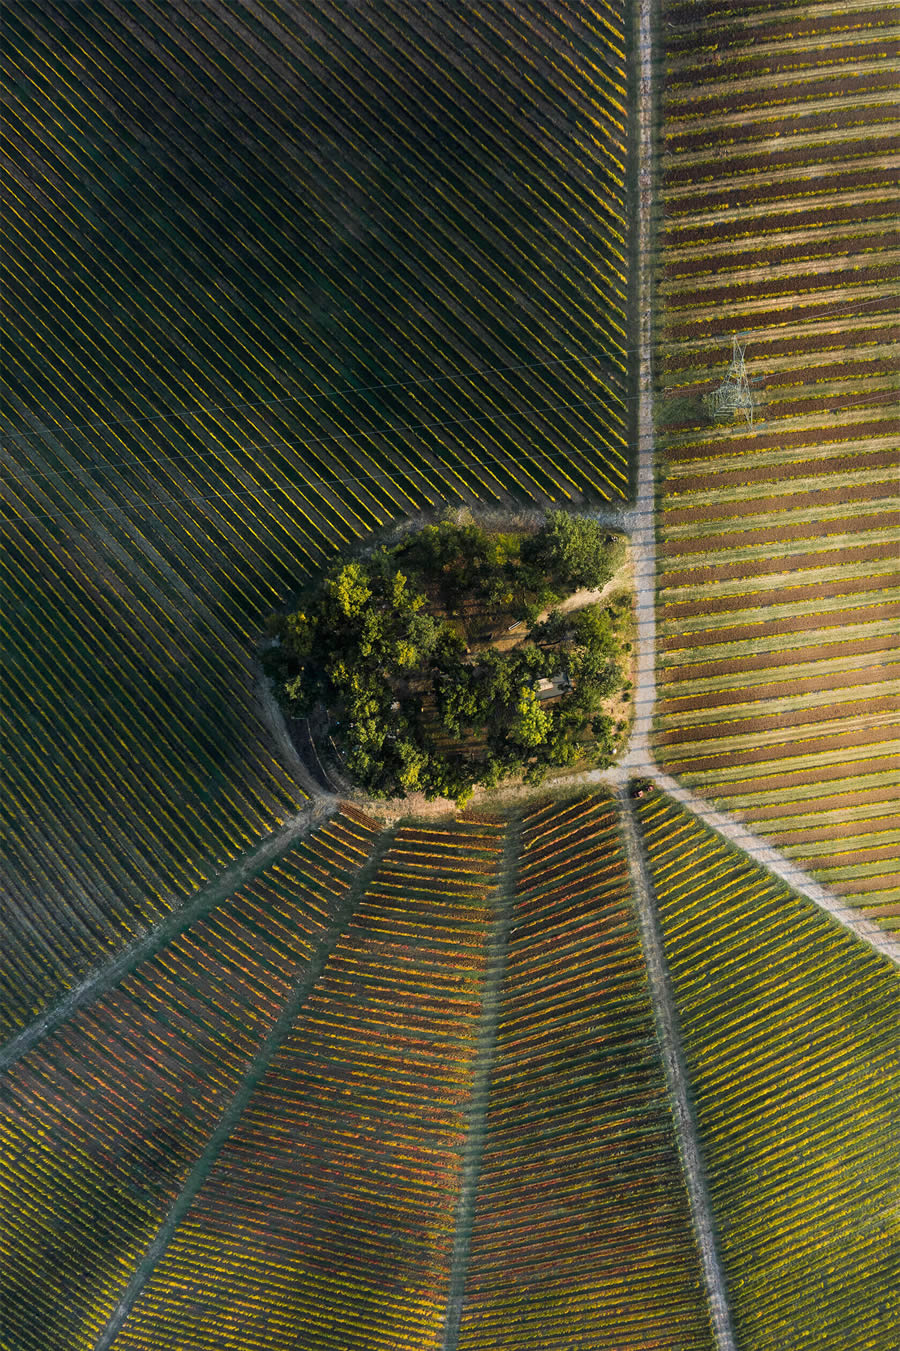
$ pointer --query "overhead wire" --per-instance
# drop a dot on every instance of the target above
(322, 480)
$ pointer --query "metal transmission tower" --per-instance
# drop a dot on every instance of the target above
(733, 395)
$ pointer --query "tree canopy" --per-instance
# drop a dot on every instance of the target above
(406, 658)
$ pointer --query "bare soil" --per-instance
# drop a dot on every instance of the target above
(762, 350)
(779, 778)
(776, 534)
(793, 216)
(766, 661)
(837, 680)
(726, 511)
(804, 307)
(770, 255)
(760, 567)
(714, 139)
(781, 474)
(712, 731)
(802, 623)
(787, 593)
(839, 798)
(771, 754)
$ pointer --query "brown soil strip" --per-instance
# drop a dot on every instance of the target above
(772, 754)
(758, 98)
(809, 250)
(738, 509)
(769, 628)
(812, 405)
(783, 595)
(784, 531)
(770, 661)
(715, 139)
(882, 853)
(791, 157)
(805, 308)
(858, 886)
(711, 731)
(681, 233)
(853, 435)
(837, 370)
(823, 557)
(802, 285)
(888, 911)
(742, 42)
(834, 680)
(765, 348)
(838, 798)
(781, 473)
(841, 831)
(782, 779)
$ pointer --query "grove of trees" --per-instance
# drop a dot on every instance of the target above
(406, 658)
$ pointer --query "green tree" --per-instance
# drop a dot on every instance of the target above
(531, 724)
(574, 550)
(350, 590)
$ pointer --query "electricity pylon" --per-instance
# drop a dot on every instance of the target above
(733, 395)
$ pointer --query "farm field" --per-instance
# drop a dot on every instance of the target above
(329, 1216)
(275, 276)
(103, 1122)
(778, 579)
(790, 1028)
(581, 1232)
(570, 1072)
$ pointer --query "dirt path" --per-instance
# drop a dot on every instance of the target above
(669, 1036)
(218, 889)
(620, 579)
(247, 1087)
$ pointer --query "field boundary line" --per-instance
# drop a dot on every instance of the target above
(485, 1059)
(244, 869)
(669, 1037)
(248, 1085)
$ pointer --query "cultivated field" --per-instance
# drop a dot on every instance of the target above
(276, 275)
(582, 1235)
(778, 568)
(790, 1029)
(328, 1220)
(103, 1122)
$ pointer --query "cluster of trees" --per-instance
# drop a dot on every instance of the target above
(397, 650)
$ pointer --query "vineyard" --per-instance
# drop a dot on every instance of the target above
(275, 277)
(581, 1235)
(559, 1073)
(104, 1121)
(790, 1028)
(778, 571)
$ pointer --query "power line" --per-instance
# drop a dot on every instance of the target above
(194, 456)
(198, 410)
(288, 444)
(317, 480)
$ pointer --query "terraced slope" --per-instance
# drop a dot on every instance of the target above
(101, 1124)
(582, 1234)
(778, 571)
(329, 1217)
(791, 1029)
(275, 275)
